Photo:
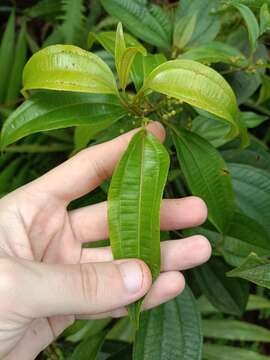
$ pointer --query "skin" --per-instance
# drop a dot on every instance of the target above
(47, 280)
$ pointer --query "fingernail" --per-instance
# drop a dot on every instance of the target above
(132, 275)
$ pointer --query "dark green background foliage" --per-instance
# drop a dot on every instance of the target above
(218, 145)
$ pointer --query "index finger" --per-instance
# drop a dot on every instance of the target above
(89, 168)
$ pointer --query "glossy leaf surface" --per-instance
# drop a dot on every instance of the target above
(54, 110)
(170, 331)
(134, 203)
(68, 68)
(197, 85)
(207, 176)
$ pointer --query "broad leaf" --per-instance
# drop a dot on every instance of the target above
(254, 269)
(238, 330)
(226, 295)
(148, 23)
(251, 119)
(68, 68)
(135, 192)
(252, 191)
(215, 52)
(251, 23)
(197, 85)
(54, 110)
(207, 176)
(221, 352)
(184, 29)
(170, 331)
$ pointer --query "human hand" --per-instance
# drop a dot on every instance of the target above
(47, 280)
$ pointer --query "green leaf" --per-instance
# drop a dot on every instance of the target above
(256, 302)
(83, 329)
(251, 119)
(122, 331)
(15, 80)
(73, 20)
(264, 18)
(55, 110)
(251, 24)
(151, 61)
(6, 54)
(244, 236)
(68, 68)
(141, 20)
(170, 331)
(197, 85)
(207, 24)
(7, 174)
(89, 348)
(221, 352)
(44, 8)
(238, 330)
(107, 40)
(226, 295)
(215, 52)
(254, 269)
(184, 29)
(252, 191)
(207, 176)
(123, 56)
(264, 90)
(135, 192)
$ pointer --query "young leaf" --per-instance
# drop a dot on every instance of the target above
(227, 296)
(251, 23)
(67, 67)
(134, 203)
(170, 331)
(251, 119)
(214, 52)
(207, 176)
(221, 352)
(15, 79)
(140, 20)
(197, 85)
(264, 90)
(120, 46)
(264, 18)
(54, 110)
(6, 54)
(254, 269)
(184, 29)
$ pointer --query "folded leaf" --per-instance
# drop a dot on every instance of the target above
(197, 85)
(254, 269)
(207, 176)
(134, 204)
(54, 110)
(170, 331)
(68, 68)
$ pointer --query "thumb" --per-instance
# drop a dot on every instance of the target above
(42, 290)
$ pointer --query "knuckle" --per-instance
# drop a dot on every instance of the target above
(88, 282)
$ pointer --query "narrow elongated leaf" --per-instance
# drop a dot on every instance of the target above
(7, 174)
(89, 348)
(251, 119)
(251, 23)
(227, 296)
(197, 85)
(67, 67)
(6, 54)
(207, 176)
(252, 191)
(254, 269)
(120, 46)
(134, 203)
(107, 40)
(257, 302)
(170, 331)
(184, 29)
(141, 20)
(54, 110)
(15, 79)
(214, 52)
(264, 18)
(234, 330)
(221, 352)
